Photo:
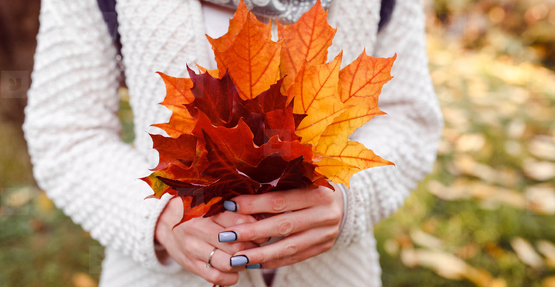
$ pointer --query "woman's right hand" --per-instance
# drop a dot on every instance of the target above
(191, 243)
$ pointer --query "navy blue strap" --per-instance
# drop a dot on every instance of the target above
(386, 11)
(108, 9)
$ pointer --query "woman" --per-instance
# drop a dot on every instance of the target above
(79, 160)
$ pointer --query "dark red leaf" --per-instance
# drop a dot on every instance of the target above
(177, 151)
(281, 123)
(213, 96)
(269, 100)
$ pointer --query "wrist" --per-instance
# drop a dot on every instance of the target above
(163, 230)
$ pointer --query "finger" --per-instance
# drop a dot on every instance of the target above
(290, 246)
(207, 230)
(301, 256)
(228, 218)
(219, 260)
(214, 275)
(281, 201)
(282, 224)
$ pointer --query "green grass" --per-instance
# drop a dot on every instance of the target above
(43, 247)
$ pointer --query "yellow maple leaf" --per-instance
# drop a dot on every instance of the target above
(363, 79)
(346, 123)
(360, 84)
(315, 94)
(352, 153)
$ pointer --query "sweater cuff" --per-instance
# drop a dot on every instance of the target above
(351, 222)
(151, 261)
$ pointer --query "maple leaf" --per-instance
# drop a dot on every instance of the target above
(215, 97)
(291, 175)
(213, 73)
(219, 100)
(252, 61)
(269, 100)
(274, 116)
(177, 151)
(315, 93)
(360, 83)
(363, 79)
(177, 95)
(197, 211)
(193, 175)
(236, 143)
(235, 24)
(306, 40)
(227, 184)
(352, 153)
(281, 123)
(347, 122)
(231, 182)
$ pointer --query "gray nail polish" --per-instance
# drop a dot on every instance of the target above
(227, 236)
(254, 266)
(230, 205)
(238, 260)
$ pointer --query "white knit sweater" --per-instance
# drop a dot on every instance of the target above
(80, 161)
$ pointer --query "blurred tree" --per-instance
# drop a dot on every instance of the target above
(19, 26)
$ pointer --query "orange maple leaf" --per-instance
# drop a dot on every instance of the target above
(178, 93)
(235, 25)
(252, 61)
(363, 79)
(306, 40)
(315, 93)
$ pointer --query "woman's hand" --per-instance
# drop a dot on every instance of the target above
(191, 243)
(311, 226)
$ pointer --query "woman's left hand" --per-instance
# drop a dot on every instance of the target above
(311, 220)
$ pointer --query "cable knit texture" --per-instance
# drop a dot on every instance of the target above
(80, 161)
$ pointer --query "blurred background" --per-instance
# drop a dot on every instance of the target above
(484, 217)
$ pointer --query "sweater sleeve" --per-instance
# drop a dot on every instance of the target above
(408, 135)
(72, 130)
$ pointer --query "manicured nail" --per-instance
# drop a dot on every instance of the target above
(230, 205)
(254, 266)
(238, 260)
(227, 236)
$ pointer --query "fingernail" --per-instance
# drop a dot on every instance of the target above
(227, 236)
(254, 266)
(238, 260)
(230, 205)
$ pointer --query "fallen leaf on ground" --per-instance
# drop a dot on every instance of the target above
(449, 266)
(549, 282)
(541, 199)
(425, 240)
(82, 280)
(547, 249)
(526, 253)
(539, 170)
(542, 147)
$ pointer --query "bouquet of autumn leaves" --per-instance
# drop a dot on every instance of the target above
(273, 116)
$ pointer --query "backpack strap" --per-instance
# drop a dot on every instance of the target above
(108, 9)
(386, 11)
